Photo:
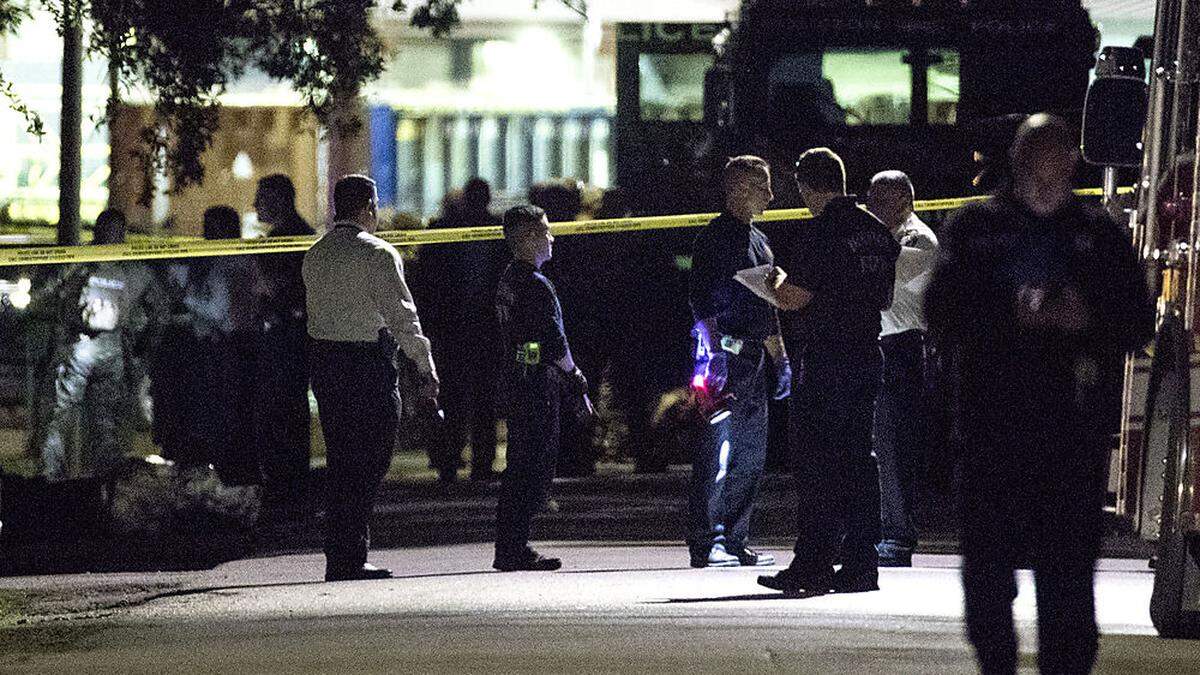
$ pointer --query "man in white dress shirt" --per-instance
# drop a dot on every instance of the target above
(359, 311)
(901, 409)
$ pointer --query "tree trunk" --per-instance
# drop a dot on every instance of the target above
(349, 143)
(71, 131)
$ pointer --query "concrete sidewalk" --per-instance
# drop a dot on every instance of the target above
(413, 509)
(612, 608)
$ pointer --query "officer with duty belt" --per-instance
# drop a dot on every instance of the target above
(359, 311)
(738, 334)
(840, 268)
(539, 376)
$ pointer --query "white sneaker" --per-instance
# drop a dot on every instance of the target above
(719, 557)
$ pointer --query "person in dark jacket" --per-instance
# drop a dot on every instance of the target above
(455, 284)
(579, 282)
(1041, 297)
(283, 419)
(223, 296)
(540, 378)
(835, 275)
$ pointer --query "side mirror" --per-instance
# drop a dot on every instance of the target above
(1115, 109)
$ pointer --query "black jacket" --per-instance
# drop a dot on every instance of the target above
(1014, 378)
(847, 259)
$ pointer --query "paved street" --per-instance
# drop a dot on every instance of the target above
(613, 608)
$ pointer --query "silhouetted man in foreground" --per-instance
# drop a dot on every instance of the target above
(1040, 295)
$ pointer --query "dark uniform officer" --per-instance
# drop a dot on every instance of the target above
(359, 308)
(456, 285)
(840, 272)
(1041, 297)
(539, 376)
(283, 418)
(733, 326)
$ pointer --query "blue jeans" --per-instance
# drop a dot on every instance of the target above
(727, 468)
(901, 423)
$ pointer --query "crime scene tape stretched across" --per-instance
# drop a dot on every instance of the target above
(157, 249)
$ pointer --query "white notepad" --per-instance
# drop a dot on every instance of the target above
(755, 278)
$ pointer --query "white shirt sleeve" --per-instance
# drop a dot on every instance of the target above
(918, 253)
(395, 303)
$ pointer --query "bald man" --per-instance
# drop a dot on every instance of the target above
(901, 420)
(1041, 295)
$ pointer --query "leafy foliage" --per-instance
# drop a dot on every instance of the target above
(11, 16)
(186, 52)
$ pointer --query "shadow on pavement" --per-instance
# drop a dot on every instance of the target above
(735, 598)
(612, 506)
(623, 570)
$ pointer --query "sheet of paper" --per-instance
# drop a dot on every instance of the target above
(755, 278)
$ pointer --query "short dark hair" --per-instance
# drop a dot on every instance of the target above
(822, 170)
(352, 194)
(518, 218)
(280, 186)
(222, 222)
(109, 228)
(738, 168)
(477, 193)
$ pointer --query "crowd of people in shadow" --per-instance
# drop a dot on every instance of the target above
(209, 353)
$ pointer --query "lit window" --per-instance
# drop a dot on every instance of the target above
(862, 87)
(943, 87)
(872, 87)
(672, 86)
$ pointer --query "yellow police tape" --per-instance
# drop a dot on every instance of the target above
(154, 249)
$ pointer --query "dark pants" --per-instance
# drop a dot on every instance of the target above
(1036, 505)
(534, 409)
(89, 387)
(227, 405)
(355, 385)
(837, 479)
(901, 425)
(468, 400)
(283, 421)
(727, 468)
(174, 377)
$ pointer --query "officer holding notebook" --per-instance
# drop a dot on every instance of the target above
(740, 362)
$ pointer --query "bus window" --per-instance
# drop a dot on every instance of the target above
(863, 87)
(943, 87)
(873, 87)
(671, 86)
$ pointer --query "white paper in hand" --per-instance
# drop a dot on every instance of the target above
(755, 278)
